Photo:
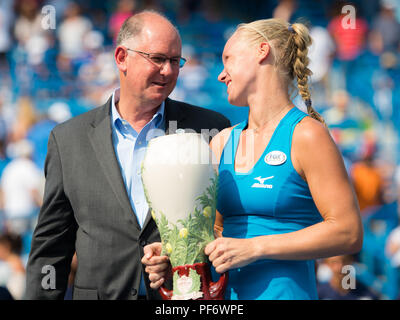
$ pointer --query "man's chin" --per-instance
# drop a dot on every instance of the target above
(156, 99)
(160, 96)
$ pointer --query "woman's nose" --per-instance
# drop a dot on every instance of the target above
(222, 76)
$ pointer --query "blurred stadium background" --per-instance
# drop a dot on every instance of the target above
(50, 75)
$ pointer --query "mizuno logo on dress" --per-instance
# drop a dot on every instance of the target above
(261, 181)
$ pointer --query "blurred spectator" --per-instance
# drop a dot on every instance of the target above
(4, 159)
(33, 39)
(340, 114)
(349, 32)
(367, 179)
(125, 8)
(39, 133)
(14, 271)
(192, 80)
(375, 256)
(71, 33)
(383, 86)
(350, 40)
(393, 247)
(186, 9)
(194, 74)
(285, 9)
(345, 123)
(334, 288)
(25, 118)
(60, 6)
(29, 21)
(6, 17)
(387, 26)
(320, 53)
(375, 43)
(98, 78)
(31, 36)
(21, 189)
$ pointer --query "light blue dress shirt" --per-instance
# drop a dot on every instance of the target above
(130, 147)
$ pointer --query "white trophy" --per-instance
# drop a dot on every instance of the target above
(180, 181)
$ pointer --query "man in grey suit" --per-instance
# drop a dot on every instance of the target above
(94, 202)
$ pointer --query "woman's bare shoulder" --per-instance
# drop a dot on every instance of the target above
(310, 130)
(313, 147)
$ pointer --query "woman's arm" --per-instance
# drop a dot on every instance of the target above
(317, 159)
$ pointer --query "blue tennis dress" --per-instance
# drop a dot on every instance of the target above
(271, 198)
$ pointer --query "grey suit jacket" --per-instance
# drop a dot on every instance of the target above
(86, 209)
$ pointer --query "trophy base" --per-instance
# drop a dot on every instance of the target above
(193, 282)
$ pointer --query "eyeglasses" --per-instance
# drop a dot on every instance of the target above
(160, 59)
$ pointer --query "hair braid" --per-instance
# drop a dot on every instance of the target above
(302, 41)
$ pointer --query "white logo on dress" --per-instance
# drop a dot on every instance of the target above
(260, 183)
(275, 158)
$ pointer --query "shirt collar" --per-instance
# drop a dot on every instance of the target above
(116, 117)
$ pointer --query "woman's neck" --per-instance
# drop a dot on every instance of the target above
(268, 112)
(269, 102)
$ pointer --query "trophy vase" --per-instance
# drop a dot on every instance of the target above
(180, 182)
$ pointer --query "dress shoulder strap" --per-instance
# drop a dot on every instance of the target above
(228, 153)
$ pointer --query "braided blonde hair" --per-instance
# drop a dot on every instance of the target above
(289, 47)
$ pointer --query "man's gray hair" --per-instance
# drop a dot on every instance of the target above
(133, 26)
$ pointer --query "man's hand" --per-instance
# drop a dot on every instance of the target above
(158, 267)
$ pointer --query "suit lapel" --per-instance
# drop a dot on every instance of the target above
(101, 139)
(174, 117)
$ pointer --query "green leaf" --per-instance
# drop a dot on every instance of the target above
(200, 227)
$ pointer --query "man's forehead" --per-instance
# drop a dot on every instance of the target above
(159, 28)
(153, 37)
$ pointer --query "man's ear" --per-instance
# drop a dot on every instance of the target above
(263, 51)
(121, 55)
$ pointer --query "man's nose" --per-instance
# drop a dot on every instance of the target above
(167, 68)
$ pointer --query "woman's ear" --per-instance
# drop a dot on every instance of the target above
(121, 55)
(263, 51)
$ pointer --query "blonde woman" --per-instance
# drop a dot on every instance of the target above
(284, 197)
